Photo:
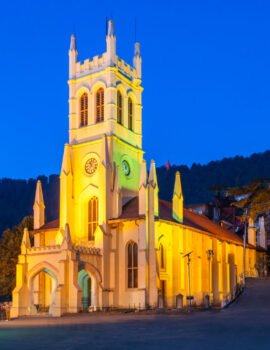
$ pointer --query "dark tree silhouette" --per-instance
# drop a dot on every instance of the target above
(10, 246)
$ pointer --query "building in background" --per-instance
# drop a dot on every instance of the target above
(254, 215)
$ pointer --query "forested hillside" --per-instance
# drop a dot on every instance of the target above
(198, 179)
(17, 199)
(17, 196)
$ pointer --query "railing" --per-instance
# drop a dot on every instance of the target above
(85, 303)
(5, 311)
(249, 274)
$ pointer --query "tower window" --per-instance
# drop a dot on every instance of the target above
(130, 114)
(100, 105)
(84, 109)
(119, 107)
(92, 218)
(162, 256)
(132, 264)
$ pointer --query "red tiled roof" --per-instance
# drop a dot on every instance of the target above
(131, 209)
(191, 219)
(49, 225)
(211, 227)
(199, 222)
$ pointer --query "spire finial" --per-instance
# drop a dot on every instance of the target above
(66, 244)
(142, 189)
(39, 207)
(66, 163)
(39, 194)
(152, 179)
(26, 243)
(178, 199)
(137, 50)
(143, 175)
(111, 43)
(73, 53)
(110, 28)
(72, 42)
(137, 60)
(153, 189)
(177, 185)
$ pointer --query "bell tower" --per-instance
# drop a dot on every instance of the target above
(102, 161)
(105, 95)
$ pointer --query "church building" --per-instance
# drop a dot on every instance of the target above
(116, 244)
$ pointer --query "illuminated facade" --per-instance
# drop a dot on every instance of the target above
(116, 244)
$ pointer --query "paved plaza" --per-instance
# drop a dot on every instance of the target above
(244, 325)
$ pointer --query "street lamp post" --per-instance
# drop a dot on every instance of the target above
(189, 297)
(244, 248)
(210, 254)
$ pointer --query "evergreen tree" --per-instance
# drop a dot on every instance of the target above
(10, 247)
(255, 197)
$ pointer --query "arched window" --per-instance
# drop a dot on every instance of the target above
(162, 256)
(100, 105)
(132, 264)
(84, 109)
(92, 217)
(119, 107)
(130, 114)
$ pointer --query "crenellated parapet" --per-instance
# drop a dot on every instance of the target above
(58, 249)
(44, 249)
(88, 250)
(100, 62)
(126, 69)
(91, 65)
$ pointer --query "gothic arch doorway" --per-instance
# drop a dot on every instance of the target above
(87, 283)
(42, 289)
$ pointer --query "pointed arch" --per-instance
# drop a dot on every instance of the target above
(43, 266)
(119, 107)
(100, 105)
(42, 288)
(90, 190)
(82, 105)
(92, 217)
(162, 253)
(84, 109)
(162, 257)
(86, 284)
(91, 271)
(132, 264)
(130, 113)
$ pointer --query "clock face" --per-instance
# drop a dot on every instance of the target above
(91, 166)
(125, 167)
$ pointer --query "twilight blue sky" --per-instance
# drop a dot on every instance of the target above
(205, 73)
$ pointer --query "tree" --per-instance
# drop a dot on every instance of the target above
(254, 197)
(10, 247)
